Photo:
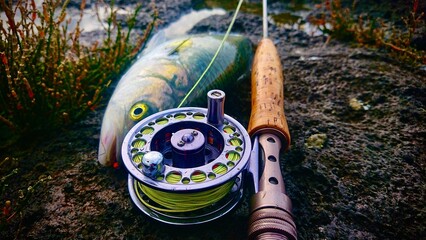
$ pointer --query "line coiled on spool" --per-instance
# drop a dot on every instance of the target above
(173, 202)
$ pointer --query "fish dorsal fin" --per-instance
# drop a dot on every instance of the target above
(156, 40)
(179, 45)
(169, 48)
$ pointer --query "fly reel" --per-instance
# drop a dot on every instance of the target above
(186, 164)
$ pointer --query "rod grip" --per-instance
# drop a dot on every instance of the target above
(267, 93)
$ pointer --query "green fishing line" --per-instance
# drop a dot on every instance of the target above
(173, 202)
(215, 55)
(220, 169)
(173, 177)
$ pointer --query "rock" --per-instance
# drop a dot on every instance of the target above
(358, 105)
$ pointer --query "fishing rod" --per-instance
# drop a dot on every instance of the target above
(270, 215)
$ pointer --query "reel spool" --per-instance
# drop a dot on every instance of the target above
(186, 164)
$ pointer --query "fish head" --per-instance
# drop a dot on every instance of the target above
(116, 123)
(126, 108)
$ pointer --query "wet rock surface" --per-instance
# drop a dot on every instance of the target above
(367, 181)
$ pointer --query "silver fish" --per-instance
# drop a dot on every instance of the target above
(162, 76)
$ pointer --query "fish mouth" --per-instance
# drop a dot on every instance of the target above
(107, 153)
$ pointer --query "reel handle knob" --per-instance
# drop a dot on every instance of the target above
(153, 165)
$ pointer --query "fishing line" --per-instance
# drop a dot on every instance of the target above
(185, 202)
(264, 18)
(215, 55)
(181, 202)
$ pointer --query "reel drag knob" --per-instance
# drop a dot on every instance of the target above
(188, 148)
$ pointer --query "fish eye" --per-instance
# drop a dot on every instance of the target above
(137, 111)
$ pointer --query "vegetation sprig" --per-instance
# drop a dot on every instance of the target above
(342, 23)
(48, 78)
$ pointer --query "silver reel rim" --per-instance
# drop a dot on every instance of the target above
(137, 173)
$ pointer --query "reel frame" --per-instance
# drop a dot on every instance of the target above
(227, 146)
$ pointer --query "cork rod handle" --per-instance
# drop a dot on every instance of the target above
(267, 110)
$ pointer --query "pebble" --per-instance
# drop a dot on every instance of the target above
(316, 141)
(357, 105)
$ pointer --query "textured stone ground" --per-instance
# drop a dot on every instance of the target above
(363, 178)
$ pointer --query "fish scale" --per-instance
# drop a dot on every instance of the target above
(161, 77)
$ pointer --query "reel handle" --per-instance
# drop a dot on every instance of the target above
(267, 97)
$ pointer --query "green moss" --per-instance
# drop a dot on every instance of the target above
(316, 141)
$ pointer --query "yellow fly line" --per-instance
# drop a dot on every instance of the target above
(181, 202)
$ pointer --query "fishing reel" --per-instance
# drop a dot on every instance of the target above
(186, 164)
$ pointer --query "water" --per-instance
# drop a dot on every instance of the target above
(295, 20)
(286, 15)
(93, 18)
(289, 16)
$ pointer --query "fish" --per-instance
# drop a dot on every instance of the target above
(162, 75)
